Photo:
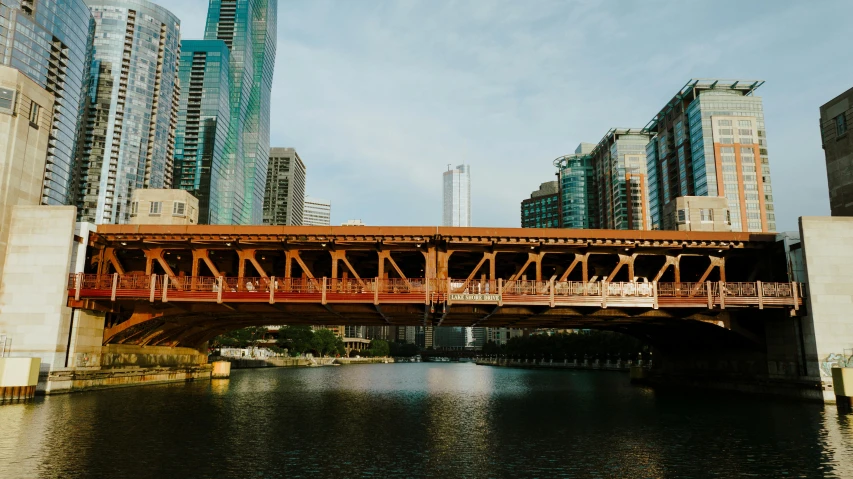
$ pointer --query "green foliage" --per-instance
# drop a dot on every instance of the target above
(595, 344)
(378, 348)
(402, 349)
(326, 343)
(239, 338)
(297, 339)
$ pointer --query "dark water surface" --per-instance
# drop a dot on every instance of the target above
(420, 420)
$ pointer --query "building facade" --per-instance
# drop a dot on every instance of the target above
(132, 109)
(542, 209)
(163, 207)
(317, 212)
(204, 115)
(457, 196)
(697, 213)
(284, 197)
(619, 169)
(26, 121)
(577, 188)
(50, 41)
(710, 140)
(248, 28)
(835, 121)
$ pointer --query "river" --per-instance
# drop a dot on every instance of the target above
(420, 420)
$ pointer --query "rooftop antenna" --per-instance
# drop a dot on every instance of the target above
(448, 167)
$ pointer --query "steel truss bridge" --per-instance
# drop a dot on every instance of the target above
(183, 285)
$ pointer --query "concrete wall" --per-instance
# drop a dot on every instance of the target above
(126, 355)
(828, 329)
(33, 288)
(23, 148)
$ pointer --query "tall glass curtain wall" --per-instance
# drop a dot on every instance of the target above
(204, 117)
(248, 28)
(50, 42)
(133, 107)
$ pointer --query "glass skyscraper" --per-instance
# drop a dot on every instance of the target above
(49, 41)
(132, 111)
(619, 168)
(577, 189)
(710, 140)
(248, 28)
(204, 117)
(457, 196)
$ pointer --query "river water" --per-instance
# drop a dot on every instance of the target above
(420, 420)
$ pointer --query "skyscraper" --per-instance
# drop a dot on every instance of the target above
(132, 109)
(838, 149)
(204, 116)
(316, 212)
(577, 189)
(710, 140)
(619, 169)
(284, 198)
(542, 209)
(457, 196)
(49, 41)
(248, 28)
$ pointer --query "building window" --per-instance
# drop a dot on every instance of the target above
(707, 215)
(682, 216)
(34, 114)
(724, 123)
(7, 100)
(840, 125)
(155, 208)
(179, 208)
(744, 123)
(134, 208)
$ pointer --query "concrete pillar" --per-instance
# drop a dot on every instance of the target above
(87, 338)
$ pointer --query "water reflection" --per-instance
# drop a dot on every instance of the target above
(420, 420)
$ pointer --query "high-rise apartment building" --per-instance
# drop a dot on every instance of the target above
(836, 117)
(132, 110)
(710, 140)
(25, 128)
(619, 169)
(457, 196)
(577, 188)
(542, 209)
(204, 116)
(151, 206)
(451, 337)
(50, 41)
(316, 212)
(284, 199)
(248, 28)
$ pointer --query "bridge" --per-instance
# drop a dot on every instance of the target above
(183, 285)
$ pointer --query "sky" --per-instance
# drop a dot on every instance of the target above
(378, 97)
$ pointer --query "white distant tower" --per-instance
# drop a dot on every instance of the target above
(457, 196)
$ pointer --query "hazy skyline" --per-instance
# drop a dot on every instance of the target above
(378, 97)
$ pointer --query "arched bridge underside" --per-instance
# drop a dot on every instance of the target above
(183, 285)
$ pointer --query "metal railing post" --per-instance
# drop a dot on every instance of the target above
(760, 291)
(722, 295)
(152, 284)
(115, 286)
(221, 281)
(272, 289)
(78, 284)
(376, 292)
(165, 288)
(553, 303)
(323, 293)
(710, 295)
(796, 296)
(655, 304)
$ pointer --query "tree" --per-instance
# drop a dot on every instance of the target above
(325, 342)
(378, 348)
(297, 339)
(240, 338)
(402, 349)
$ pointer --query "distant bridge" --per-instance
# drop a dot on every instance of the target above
(183, 285)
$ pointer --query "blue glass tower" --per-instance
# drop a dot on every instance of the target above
(50, 42)
(132, 112)
(248, 28)
(204, 117)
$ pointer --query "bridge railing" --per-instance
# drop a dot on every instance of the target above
(435, 290)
